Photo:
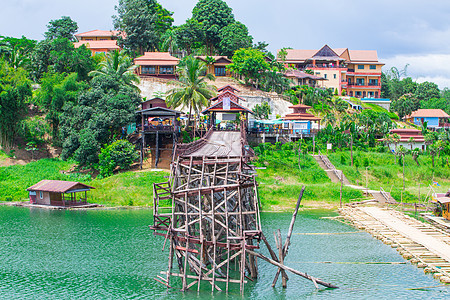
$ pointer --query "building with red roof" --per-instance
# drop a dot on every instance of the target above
(358, 72)
(435, 118)
(99, 41)
(157, 64)
(58, 193)
(301, 121)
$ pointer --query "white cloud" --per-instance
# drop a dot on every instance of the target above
(427, 67)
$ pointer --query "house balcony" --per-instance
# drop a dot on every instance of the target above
(364, 85)
(324, 66)
(444, 125)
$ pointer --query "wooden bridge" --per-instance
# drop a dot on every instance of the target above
(213, 225)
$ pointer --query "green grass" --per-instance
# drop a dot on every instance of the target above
(127, 188)
(384, 172)
(379, 109)
(14, 180)
(280, 183)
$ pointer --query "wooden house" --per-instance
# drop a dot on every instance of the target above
(300, 121)
(435, 118)
(218, 67)
(58, 193)
(157, 64)
(152, 103)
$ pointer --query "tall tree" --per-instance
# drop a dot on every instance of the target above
(15, 89)
(190, 35)
(61, 28)
(213, 15)
(192, 90)
(61, 56)
(427, 90)
(250, 63)
(404, 105)
(233, 37)
(143, 22)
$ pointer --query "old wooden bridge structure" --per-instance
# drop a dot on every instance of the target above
(213, 226)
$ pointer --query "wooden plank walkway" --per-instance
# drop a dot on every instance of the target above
(222, 144)
(421, 243)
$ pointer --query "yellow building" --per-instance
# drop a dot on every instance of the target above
(218, 67)
(98, 41)
(358, 72)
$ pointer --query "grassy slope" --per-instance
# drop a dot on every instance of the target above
(384, 172)
(280, 183)
(127, 188)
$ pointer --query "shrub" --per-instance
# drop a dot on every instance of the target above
(119, 154)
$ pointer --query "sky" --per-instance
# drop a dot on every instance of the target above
(402, 31)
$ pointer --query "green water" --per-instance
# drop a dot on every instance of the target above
(113, 255)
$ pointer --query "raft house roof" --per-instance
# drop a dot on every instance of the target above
(59, 186)
(159, 111)
(234, 107)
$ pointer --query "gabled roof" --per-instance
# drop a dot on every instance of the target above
(219, 107)
(300, 106)
(58, 186)
(429, 113)
(228, 86)
(227, 92)
(156, 59)
(107, 44)
(99, 33)
(161, 111)
(216, 58)
(326, 53)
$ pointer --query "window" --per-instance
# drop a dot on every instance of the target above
(373, 82)
(358, 94)
(373, 67)
(317, 73)
(334, 76)
(220, 71)
(325, 76)
(360, 81)
(41, 195)
(148, 70)
(166, 70)
(360, 67)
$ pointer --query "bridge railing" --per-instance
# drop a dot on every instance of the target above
(186, 149)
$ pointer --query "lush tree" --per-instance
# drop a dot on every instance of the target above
(119, 154)
(144, 22)
(55, 90)
(213, 15)
(427, 90)
(190, 36)
(59, 55)
(232, 37)
(192, 90)
(61, 28)
(274, 81)
(262, 111)
(404, 105)
(250, 63)
(169, 41)
(436, 103)
(261, 46)
(15, 89)
(119, 66)
(96, 118)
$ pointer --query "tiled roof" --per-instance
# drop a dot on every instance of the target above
(57, 186)
(300, 55)
(107, 44)
(301, 75)
(429, 113)
(98, 33)
(230, 86)
(156, 59)
(300, 106)
(216, 57)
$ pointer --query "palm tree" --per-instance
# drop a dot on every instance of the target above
(120, 66)
(415, 154)
(395, 140)
(192, 91)
(411, 142)
(169, 41)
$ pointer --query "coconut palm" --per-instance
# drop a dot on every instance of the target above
(119, 66)
(192, 90)
(395, 140)
(401, 151)
(415, 155)
(411, 142)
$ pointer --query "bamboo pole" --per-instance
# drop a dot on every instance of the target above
(304, 275)
(288, 238)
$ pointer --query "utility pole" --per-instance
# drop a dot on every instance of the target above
(403, 161)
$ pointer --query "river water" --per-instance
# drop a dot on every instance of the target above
(111, 254)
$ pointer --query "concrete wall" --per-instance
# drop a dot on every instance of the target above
(44, 200)
(278, 106)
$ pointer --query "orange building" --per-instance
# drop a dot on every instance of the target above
(358, 72)
(98, 41)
